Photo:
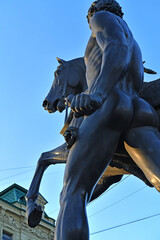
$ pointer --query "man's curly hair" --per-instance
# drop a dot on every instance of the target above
(105, 5)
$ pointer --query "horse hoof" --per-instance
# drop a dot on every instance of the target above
(34, 214)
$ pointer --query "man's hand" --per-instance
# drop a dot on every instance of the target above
(84, 104)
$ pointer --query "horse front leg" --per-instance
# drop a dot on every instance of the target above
(34, 211)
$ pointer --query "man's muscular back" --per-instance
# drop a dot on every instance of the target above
(113, 61)
(108, 28)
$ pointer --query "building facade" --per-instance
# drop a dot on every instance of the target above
(13, 223)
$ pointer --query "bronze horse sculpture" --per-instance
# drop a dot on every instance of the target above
(70, 79)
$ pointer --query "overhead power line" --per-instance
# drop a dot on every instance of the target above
(7, 169)
(15, 175)
(125, 224)
(103, 194)
(54, 211)
(115, 185)
(117, 201)
(29, 170)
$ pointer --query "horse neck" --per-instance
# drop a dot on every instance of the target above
(81, 69)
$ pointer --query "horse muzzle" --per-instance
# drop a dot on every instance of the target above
(59, 105)
(50, 107)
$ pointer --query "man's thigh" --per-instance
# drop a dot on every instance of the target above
(96, 143)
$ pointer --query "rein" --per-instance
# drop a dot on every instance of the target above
(68, 117)
(64, 97)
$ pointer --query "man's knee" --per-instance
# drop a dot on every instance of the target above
(72, 194)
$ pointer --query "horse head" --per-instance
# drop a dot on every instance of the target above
(69, 78)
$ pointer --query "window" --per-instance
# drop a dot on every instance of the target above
(6, 236)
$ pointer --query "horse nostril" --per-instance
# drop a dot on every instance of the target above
(45, 103)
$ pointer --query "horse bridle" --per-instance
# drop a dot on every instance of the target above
(64, 98)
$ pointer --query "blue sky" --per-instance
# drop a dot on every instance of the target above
(33, 33)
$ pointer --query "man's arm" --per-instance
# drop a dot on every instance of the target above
(116, 55)
(111, 38)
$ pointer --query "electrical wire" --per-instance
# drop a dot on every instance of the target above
(8, 169)
(125, 224)
(100, 195)
(115, 185)
(117, 201)
(15, 175)
(53, 211)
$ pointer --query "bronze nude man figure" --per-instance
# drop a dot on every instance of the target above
(113, 111)
(70, 78)
(109, 112)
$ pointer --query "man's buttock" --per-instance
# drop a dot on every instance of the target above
(143, 114)
(130, 112)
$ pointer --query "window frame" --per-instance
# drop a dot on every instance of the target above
(7, 234)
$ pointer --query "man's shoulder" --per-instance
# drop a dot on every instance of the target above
(103, 17)
(105, 21)
(103, 14)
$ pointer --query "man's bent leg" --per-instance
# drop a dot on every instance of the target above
(88, 158)
(96, 143)
(81, 175)
(143, 145)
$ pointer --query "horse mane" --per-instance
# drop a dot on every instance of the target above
(78, 64)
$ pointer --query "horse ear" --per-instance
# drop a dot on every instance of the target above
(61, 61)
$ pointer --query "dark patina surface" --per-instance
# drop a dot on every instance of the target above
(115, 126)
